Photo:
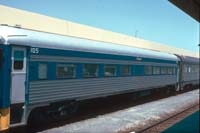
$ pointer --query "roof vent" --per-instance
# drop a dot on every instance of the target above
(138, 58)
(18, 26)
(4, 24)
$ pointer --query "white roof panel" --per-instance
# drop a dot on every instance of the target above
(46, 40)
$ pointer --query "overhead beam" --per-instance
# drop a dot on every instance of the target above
(191, 7)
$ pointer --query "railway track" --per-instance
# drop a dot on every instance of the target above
(167, 122)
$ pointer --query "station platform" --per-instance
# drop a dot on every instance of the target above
(188, 125)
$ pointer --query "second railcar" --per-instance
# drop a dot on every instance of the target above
(190, 72)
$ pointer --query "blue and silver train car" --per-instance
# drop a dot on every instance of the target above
(190, 72)
(40, 69)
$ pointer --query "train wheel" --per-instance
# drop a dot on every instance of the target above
(39, 117)
(64, 111)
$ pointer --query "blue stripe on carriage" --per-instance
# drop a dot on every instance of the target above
(69, 53)
(137, 70)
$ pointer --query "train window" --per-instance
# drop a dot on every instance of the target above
(1, 58)
(193, 69)
(169, 70)
(90, 70)
(196, 68)
(148, 70)
(164, 70)
(126, 70)
(185, 69)
(174, 70)
(189, 69)
(156, 70)
(18, 59)
(110, 70)
(65, 71)
(42, 71)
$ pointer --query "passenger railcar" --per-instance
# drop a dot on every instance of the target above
(40, 69)
(190, 72)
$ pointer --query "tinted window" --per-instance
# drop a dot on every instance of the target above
(18, 59)
(110, 70)
(1, 58)
(164, 70)
(193, 67)
(185, 69)
(174, 70)
(90, 70)
(126, 70)
(196, 68)
(170, 70)
(148, 70)
(42, 71)
(65, 71)
(156, 70)
(189, 69)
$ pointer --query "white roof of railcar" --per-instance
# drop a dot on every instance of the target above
(24, 37)
(188, 59)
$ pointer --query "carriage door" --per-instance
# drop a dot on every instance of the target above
(18, 78)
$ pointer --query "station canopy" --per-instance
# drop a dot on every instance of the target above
(191, 7)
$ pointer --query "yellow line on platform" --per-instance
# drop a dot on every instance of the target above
(4, 119)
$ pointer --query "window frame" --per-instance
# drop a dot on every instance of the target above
(66, 65)
(46, 71)
(129, 72)
(165, 68)
(20, 61)
(147, 67)
(155, 70)
(96, 75)
(189, 69)
(185, 69)
(112, 66)
(168, 70)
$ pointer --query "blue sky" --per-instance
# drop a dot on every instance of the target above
(155, 20)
